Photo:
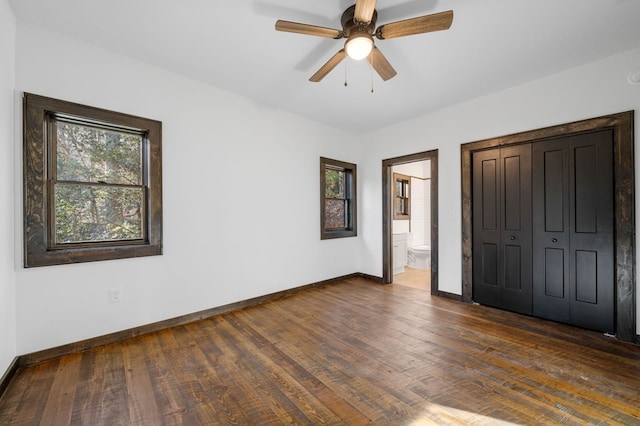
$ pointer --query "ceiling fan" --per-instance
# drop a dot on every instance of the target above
(359, 28)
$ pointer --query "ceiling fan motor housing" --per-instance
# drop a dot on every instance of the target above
(350, 25)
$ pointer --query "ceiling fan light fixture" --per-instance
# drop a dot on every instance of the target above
(359, 45)
(359, 27)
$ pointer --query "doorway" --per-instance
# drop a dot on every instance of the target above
(410, 220)
(622, 271)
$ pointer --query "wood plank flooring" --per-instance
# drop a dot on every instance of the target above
(412, 277)
(351, 353)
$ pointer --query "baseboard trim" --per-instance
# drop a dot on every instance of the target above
(9, 375)
(447, 295)
(370, 277)
(83, 345)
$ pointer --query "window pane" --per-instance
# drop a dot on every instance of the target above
(399, 208)
(334, 183)
(86, 213)
(334, 214)
(89, 154)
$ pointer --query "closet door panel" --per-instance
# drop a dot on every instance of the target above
(513, 197)
(487, 260)
(554, 273)
(512, 267)
(585, 188)
(586, 273)
(592, 279)
(490, 264)
(554, 163)
(573, 270)
(502, 228)
(550, 180)
(516, 228)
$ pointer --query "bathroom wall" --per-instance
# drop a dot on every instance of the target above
(418, 225)
(420, 211)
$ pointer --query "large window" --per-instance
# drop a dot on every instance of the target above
(92, 184)
(337, 199)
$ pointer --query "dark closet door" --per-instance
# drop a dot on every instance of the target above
(502, 228)
(573, 271)
(551, 230)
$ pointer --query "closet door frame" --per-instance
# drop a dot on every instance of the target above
(624, 208)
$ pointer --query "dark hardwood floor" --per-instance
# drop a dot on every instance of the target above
(350, 353)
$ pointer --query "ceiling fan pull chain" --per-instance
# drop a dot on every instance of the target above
(371, 63)
(345, 74)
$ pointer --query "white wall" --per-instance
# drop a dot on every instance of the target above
(241, 205)
(591, 90)
(7, 273)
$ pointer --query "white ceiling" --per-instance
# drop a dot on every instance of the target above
(492, 45)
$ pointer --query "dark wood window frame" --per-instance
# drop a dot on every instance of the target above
(38, 150)
(351, 229)
(399, 214)
(624, 193)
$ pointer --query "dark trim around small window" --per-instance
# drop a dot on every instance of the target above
(351, 229)
(398, 212)
(37, 152)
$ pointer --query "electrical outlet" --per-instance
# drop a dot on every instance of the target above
(115, 295)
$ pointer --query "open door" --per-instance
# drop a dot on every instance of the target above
(388, 186)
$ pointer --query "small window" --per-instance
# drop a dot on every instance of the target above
(401, 197)
(337, 199)
(92, 184)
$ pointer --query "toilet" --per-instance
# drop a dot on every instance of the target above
(419, 257)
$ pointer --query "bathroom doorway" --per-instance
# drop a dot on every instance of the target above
(410, 220)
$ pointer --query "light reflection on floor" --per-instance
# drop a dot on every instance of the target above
(435, 414)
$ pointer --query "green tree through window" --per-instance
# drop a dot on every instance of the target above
(338, 198)
(336, 203)
(100, 195)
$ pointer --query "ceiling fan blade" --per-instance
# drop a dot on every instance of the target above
(422, 24)
(295, 27)
(330, 65)
(364, 10)
(381, 65)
